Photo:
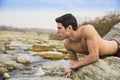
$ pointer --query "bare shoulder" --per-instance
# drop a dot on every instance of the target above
(89, 31)
(88, 27)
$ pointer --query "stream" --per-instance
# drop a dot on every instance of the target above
(38, 68)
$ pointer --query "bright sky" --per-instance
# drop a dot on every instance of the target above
(42, 13)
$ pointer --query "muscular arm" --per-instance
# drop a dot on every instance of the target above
(73, 57)
(93, 54)
(93, 48)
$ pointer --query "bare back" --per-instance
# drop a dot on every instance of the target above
(87, 37)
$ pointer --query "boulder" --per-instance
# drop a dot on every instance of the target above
(114, 33)
(103, 69)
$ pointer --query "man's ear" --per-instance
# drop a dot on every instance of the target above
(69, 28)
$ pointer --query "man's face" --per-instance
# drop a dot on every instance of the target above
(61, 31)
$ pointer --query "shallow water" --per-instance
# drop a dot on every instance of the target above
(38, 66)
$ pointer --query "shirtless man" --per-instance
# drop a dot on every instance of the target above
(83, 40)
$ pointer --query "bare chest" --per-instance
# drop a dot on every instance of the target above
(79, 47)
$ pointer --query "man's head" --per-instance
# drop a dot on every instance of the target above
(66, 24)
(66, 20)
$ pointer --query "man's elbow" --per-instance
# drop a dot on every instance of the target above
(94, 58)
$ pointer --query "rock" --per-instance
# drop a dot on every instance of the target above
(51, 55)
(3, 69)
(23, 59)
(114, 33)
(6, 76)
(39, 72)
(2, 47)
(39, 48)
(16, 66)
(11, 48)
(55, 65)
(103, 69)
(10, 63)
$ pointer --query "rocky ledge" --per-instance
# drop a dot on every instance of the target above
(104, 69)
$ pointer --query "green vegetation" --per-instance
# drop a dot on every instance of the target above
(105, 23)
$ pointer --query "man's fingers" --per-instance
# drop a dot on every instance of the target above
(68, 74)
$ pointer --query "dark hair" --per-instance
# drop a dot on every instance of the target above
(66, 20)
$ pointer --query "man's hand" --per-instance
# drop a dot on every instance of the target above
(68, 72)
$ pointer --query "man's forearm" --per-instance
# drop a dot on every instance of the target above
(84, 62)
(73, 62)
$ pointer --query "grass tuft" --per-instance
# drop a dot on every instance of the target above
(105, 23)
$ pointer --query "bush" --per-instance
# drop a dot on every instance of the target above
(105, 23)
